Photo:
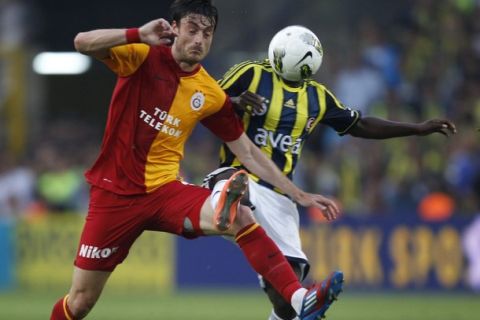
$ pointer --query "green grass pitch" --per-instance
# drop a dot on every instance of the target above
(223, 305)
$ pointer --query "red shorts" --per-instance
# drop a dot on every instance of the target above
(114, 221)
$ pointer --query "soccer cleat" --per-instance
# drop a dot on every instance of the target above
(319, 298)
(230, 196)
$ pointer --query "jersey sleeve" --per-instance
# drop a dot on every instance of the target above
(125, 60)
(237, 79)
(337, 116)
(225, 124)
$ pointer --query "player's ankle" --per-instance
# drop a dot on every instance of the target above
(297, 299)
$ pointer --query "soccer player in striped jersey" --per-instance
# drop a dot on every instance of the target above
(162, 92)
(279, 112)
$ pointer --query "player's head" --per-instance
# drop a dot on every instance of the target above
(295, 53)
(195, 22)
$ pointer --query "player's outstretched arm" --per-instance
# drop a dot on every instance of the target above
(97, 43)
(376, 128)
(256, 161)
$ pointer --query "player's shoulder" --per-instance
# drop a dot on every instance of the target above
(263, 65)
(209, 82)
(246, 65)
(158, 51)
(206, 77)
(315, 84)
(161, 49)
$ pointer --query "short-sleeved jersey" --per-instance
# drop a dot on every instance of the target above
(154, 108)
(287, 119)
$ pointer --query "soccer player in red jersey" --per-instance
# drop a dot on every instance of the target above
(162, 92)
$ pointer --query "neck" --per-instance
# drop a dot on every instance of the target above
(293, 84)
(184, 65)
(187, 67)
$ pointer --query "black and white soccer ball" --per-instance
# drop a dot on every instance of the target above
(295, 53)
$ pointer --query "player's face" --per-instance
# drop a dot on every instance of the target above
(195, 35)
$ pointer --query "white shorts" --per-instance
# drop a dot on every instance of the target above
(279, 216)
(276, 213)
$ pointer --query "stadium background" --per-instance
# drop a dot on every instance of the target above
(410, 205)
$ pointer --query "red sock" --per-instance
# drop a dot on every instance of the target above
(61, 311)
(267, 260)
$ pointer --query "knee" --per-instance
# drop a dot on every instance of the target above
(80, 303)
(244, 216)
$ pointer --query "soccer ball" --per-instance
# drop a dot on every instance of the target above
(295, 53)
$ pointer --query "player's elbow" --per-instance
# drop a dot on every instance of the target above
(246, 158)
(81, 42)
(247, 155)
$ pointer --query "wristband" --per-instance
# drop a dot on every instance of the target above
(133, 35)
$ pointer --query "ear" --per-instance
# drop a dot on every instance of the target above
(174, 25)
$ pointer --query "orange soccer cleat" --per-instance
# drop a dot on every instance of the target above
(230, 197)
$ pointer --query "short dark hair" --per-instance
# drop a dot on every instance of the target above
(182, 8)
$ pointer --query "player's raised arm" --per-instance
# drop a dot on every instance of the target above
(97, 43)
(376, 128)
(255, 161)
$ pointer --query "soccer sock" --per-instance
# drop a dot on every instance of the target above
(267, 260)
(297, 299)
(216, 192)
(61, 311)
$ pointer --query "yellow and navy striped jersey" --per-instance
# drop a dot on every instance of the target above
(288, 117)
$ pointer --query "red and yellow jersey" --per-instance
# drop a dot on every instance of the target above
(154, 108)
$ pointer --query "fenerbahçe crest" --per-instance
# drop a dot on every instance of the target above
(197, 101)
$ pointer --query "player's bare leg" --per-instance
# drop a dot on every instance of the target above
(86, 289)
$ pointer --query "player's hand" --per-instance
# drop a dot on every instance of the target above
(157, 32)
(444, 127)
(329, 208)
(249, 102)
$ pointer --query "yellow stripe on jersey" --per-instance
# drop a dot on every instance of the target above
(341, 106)
(252, 88)
(273, 116)
(334, 98)
(300, 124)
(322, 103)
(125, 60)
(232, 75)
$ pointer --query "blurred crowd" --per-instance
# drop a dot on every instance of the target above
(423, 64)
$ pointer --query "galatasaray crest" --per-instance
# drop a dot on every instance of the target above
(197, 101)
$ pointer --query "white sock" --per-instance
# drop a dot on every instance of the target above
(217, 190)
(297, 299)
